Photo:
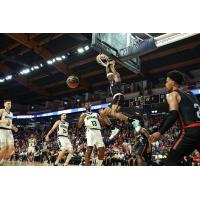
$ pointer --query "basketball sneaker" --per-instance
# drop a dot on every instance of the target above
(114, 132)
(136, 125)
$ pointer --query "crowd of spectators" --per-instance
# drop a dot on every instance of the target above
(118, 151)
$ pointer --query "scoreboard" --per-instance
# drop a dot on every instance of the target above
(147, 100)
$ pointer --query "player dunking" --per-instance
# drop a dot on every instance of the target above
(6, 136)
(63, 141)
(92, 121)
(115, 89)
(186, 107)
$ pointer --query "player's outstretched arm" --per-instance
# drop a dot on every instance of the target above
(55, 126)
(117, 77)
(173, 100)
(81, 120)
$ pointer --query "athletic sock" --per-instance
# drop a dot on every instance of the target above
(99, 162)
(57, 161)
(68, 159)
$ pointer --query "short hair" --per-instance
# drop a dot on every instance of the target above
(176, 76)
(6, 100)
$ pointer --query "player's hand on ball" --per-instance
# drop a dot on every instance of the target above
(102, 60)
(104, 57)
(154, 137)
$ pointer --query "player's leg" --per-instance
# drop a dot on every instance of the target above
(118, 115)
(101, 148)
(138, 150)
(30, 154)
(33, 153)
(10, 150)
(2, 145)
(70, 152)
(61, 144)
(60, 156)
(88, 155)
(183, 146)
(104, 113)
(198, 140)
(90, 143)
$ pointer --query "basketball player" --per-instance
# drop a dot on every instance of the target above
(6, 136)
(183, 105)
(63, 141)
(142, 147)
(44, 152)
(31, 148)
(92, 122)
(115, 88)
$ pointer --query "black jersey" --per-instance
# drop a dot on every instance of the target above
(189, 108)
(115, 88)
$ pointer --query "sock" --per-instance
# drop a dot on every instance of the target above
(68, 159)
(57, 161)
(99, 162)
(2, 161)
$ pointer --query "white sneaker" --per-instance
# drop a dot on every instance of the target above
(136, 125)
(113, 133)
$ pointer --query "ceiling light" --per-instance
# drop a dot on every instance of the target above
(80, 50)
(58, 58)
(41, 65)
(9, 77)
(54, 60)
(36, 67)
(25, 71)
(49, 62)
(86, 47)
(63, 56)
(2, 80)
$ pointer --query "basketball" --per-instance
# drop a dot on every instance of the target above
(72, 81)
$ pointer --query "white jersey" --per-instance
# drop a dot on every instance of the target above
(32, 142)
(7, 115)
(91, 121)
(63, 128)
(45, 146)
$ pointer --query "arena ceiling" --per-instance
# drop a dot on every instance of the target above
(48, 82)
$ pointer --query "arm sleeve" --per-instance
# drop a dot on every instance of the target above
(169, 121)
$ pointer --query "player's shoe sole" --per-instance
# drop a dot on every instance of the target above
(114, 133)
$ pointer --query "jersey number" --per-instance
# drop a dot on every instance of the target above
(64, 131)
(94, 123)
(198, 112)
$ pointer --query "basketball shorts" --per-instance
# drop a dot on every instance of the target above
(118, 100)
(187, 142)
(64, 143)
(6, 138)
(94, 137)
